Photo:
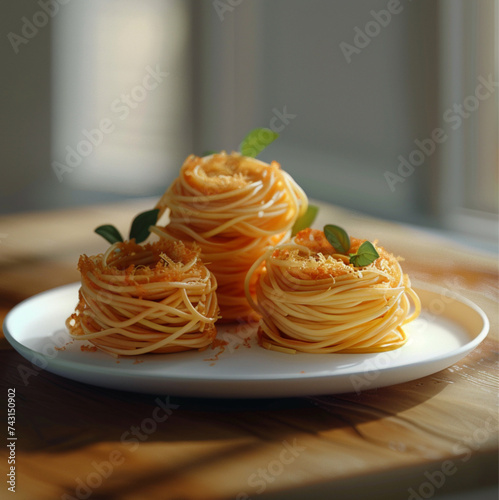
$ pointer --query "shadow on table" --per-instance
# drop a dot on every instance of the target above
(59, 414)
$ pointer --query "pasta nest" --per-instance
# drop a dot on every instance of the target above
(232, 207)
(311, 299)
(134, 299)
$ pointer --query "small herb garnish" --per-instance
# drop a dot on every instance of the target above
(256, 141)
(138, 231)
(306, 220)
(339, 239)
(366, 254)
(110, 233)
(141, 223)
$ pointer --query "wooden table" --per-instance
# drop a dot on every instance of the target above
(420, 439)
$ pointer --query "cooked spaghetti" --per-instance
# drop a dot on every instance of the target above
(233, 207)
(313, 300)
(135, 299)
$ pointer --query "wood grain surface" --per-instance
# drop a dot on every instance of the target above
(427, 438)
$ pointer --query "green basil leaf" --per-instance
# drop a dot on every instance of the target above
(365, 255)
(256, 141)
(141, 224)
(110, 233)
(337, 237)
(306, 220)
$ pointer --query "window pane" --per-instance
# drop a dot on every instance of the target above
(482, 170)
(121, 94)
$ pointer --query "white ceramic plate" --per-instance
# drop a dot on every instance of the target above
(448, 329)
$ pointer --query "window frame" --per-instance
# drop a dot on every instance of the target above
(461, 63)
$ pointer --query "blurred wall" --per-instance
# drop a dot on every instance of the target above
(25, 55)
(95, 100)
(356, 91)
(348, 85)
